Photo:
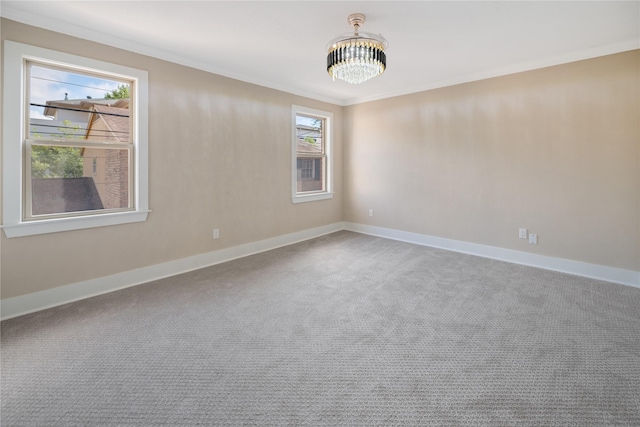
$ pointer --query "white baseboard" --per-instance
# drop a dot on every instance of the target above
(29, 303)
(593, 271)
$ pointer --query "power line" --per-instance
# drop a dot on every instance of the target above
(73, 84)
(103, 131)
(78, 109)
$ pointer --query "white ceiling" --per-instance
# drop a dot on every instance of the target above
(282, 44)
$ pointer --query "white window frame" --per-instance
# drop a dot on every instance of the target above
(328, 136)
(15, 112)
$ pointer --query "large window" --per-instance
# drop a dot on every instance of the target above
(311, 154)
(74, 142)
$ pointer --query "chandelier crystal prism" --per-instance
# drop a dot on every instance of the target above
(358, 57)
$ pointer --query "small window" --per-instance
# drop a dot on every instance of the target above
(77, 155)
(311, 154)
(306, 167)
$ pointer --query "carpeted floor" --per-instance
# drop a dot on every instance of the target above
(346, 329)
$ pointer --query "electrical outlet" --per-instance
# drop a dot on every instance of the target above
(533, 239)
(370, 212)
(522, 233)
(216, 233)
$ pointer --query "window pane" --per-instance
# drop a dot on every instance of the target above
(311, 174)
(73, 105)
(73, 179)
(310, 154)
(309, 131)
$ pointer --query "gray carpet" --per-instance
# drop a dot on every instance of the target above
(346, 329)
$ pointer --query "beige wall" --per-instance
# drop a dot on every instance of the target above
(219, 157)
(555, 150)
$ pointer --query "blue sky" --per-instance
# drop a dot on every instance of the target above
(305, 121)
(49, 84)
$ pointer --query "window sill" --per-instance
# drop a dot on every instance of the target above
(76, 223)
(311, 197)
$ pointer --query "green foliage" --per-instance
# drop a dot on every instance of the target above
(35, 134)
(55, 162)
(69, 130)
(122, 92)
(309, 139)
(58, 162)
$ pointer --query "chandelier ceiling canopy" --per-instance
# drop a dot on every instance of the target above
(358, 57)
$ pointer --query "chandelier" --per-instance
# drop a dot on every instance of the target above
(358, 57)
